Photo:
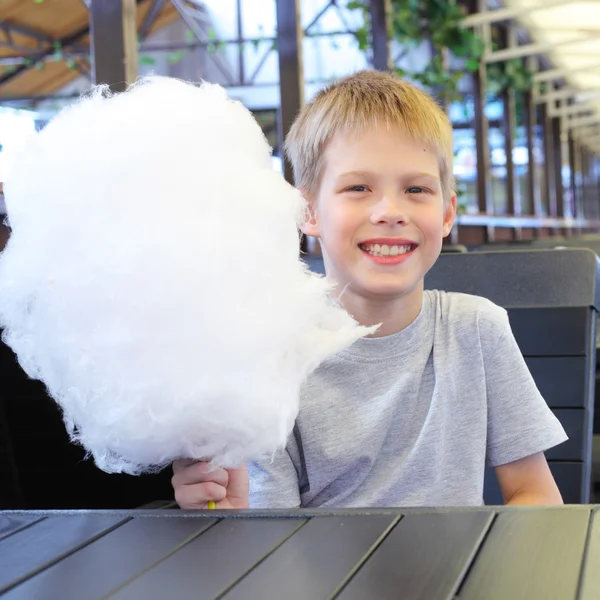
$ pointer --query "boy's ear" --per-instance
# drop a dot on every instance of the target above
(449, 216)
(310, 226)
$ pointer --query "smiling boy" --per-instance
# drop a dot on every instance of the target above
(411, 415)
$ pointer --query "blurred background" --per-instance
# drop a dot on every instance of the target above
(520, 80)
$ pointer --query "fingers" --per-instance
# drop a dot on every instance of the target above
(182, 463)
(199, 472)
(238, 485)
(197, 496)
(196, 483)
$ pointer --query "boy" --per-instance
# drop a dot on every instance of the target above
(409, 416)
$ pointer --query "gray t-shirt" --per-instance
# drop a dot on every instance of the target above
(412, 419)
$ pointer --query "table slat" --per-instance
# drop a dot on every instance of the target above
(212, 562)
(37, 547)
(11, 524)
(108, 563)
(530, 555)
(590, 582)
(314, 562)
(425, 557)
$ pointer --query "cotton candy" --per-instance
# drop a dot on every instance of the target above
(153, 282)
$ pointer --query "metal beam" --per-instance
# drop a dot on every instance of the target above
(582, 122)
(113, 43)
(41, 39)
(485, 203)
(531, 121)
(530, 124)
(316, 19)
(380, 40)
(261, 63)
(27, 99)
(509, 126)
(198, 20)
(561, 72)
(547, 192)
(150, 18)
(240, 37)
(592, 140)
(66, 41)
(571, 144)
(78, 51)
(503, 14)
(10, 45)
(591, 132)
(530, 49)
(291, 73)
(572, 110)
(41, 55)
(557, 152)
(578, 95)
(9, 28)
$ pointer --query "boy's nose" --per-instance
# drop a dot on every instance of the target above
(390, 210)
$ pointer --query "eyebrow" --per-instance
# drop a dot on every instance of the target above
(422, 174)
(407, 176)
(355, 173)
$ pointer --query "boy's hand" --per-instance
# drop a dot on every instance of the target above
(196, 483)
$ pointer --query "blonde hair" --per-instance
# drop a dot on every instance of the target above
(359, 102)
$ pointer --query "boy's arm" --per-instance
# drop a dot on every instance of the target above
(528, 481)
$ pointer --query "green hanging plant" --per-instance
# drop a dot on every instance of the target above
(58, 51)
(175, 57)
(437, 22)
(510, 74)
(144, 59)
(214, 44)
(440, 24)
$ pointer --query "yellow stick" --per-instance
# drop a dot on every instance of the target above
(212, 505)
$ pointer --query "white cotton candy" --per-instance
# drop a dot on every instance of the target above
(153, 282)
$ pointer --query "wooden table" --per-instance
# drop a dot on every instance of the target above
(489, 553)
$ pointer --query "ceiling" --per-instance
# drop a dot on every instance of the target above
(22, 21)
(571, 29)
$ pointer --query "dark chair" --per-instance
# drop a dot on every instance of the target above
(553, 299)
(454, 249)
(589, 241)
(315, 263)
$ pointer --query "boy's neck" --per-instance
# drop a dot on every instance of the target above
(394, 315)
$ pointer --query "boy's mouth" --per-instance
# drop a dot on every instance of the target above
(387, 250)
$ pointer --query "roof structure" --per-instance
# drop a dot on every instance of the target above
(567, 33)
(44, 44)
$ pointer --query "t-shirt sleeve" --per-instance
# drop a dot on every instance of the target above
(274, 483)
(520, 423)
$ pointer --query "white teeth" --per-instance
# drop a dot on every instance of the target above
(385, 250)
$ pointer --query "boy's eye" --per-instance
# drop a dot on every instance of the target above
(415, 189)
(357, 188)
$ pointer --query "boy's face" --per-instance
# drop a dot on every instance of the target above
(379, 213)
